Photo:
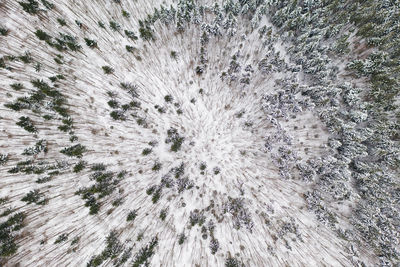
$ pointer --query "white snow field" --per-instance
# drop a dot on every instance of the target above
(183, 138)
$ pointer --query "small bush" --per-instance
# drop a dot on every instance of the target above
(181, 238)
(131, 215)
(61, 238)
(90, 43)
(27, 124)
(17, 86)
(108, 69)
(79, 166)
(146, 151)
(4, 31)
(74, 151)
(61, 21)
(115, 26)
(31, 7)
(34, 196)
(163, 214)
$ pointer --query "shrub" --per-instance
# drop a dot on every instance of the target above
(125, 14)
(17, 86)
(131, 215)
(163, 214)
(27, 124)
(61, 238)
(146, 33)
(131, 35)
(214, 245)
(31, 7)
(61, 21)
(8, 246)
(4, 31)
(146, 151)
(181, 238)
(47, 4)
(26, 58)
(74, 151)
(115, 26)
(157, 166)
(145, 253)
(168, 98)
(90, 43)
(79, 166)
(108, 69)
(233, 262)
(3, 159)
(34, 196)
(101, 24)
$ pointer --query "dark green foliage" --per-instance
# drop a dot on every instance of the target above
(117, 202)
(117, 115)
(61, 238)
(125, 14)
(156, 167)
(74, 151)
(38, 67)
(146, 33)
(168, 98)
(145, 253)
(203, 166)
(150, 190)
(115, 26)
(175, 139)
(47, 4)
(45, 88)
(31, 6)
(131, 35)
(98, 167)
(7, 212)
(27, 124)
(113, 103)
(43, 36)
(40, 146)
(131, 215)
(4, 31)
(90, 43)
(146, 151)
(122, 174)
(163, 214)
(75, 240)
(181, 238)
(61, 21)
(65, 42)
(3, 159)
(174, 54)
(67, 125)
(80, 166)
(8, 246)
(129, 48)
(17, 86)
(58, 60)
(156, 195)
(108, 69)
(26, 58)
(34, 196)
(101, 24)
(112, 250)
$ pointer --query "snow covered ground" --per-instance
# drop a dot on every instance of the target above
(240, 144)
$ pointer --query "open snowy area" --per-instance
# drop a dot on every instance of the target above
(199, 133)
